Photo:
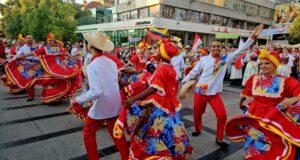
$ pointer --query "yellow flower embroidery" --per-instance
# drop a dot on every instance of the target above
(159, 124)
(160, 146)
(31, 73)
(254, 134)
(131, 120)
(179, 148)
(21, 69)
(177, 131)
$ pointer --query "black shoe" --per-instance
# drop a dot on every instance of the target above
(222, 144)
(30, 99)
(195, 134)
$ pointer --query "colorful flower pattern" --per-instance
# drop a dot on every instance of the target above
(272, 87)
(157, 132)
(256, 142)
(30, 69)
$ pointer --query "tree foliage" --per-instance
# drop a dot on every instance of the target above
(39, 17)
(294, 37)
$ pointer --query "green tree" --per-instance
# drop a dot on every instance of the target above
(294, 37)
(39, 17)
(82, 13)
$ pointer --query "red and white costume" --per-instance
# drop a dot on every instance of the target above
(212, 71)
(104, 92)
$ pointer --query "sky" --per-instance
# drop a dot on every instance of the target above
(2, 1)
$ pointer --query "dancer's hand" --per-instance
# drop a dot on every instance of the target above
(288, 102)
(258, 30)
(128, 102)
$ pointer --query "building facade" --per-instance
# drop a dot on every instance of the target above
(184, 18)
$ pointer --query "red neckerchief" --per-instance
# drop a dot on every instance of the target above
(96, 56)
(215, 56)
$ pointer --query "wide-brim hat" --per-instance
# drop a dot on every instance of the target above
(187, 46)
(99, 40)
(186, 88)
(179, 45)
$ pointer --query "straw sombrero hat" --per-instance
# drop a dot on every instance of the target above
(187, 46)
(99, 40)
(187, 87)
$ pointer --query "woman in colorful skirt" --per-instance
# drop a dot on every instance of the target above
(153, 121)
(55, 71)
(270, 127)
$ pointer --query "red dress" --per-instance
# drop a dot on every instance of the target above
(164, 80)
(55, 64)
(154, 124)
(268, 131)
(55, 72)
(13, 50)
(153, 58)
(139, 61)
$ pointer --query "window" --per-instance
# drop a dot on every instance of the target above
(180, 14)
(133, 14)
(229, 4)
(224, 21)
(167, 12)
(239, 5)
(251, 9)
(143, 13)
(204, 17)
(124, 16)
(193, 16)
(251, 26)
(154, 11)
(215, 20)
(265, 12)
(236, 24)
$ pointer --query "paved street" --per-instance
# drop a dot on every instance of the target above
(31, 130)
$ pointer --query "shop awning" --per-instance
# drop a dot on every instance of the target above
(227, 36)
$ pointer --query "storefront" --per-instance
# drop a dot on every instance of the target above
(120, 32)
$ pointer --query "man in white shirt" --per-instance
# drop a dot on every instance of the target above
(212, 69)
(25, 50)
(179, 65)
(102, 75)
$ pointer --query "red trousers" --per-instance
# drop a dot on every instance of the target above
(218, 107)
(91, 126)
(30, 91)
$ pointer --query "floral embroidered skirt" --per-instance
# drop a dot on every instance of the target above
(155, 133)
(275, 136)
